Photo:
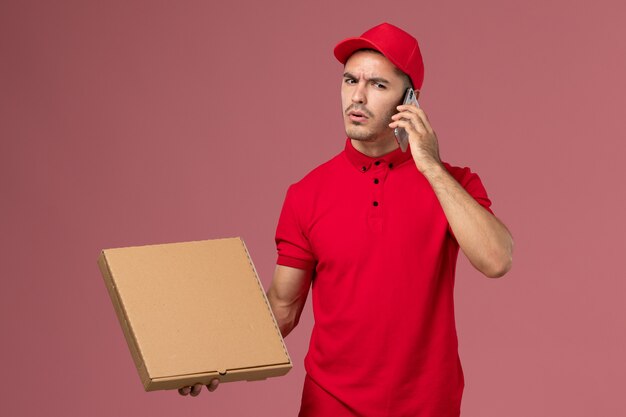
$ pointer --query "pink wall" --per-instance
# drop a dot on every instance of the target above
(128, 122)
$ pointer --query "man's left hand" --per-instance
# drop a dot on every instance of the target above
(422, 137)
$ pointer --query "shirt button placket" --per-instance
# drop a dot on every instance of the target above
(378, 171)
(376, 200)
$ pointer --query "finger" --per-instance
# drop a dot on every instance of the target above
(420, 113)
(408, 125)
(184, 390)
(404, 115)
(413, 118)
(212, 386)
(407, 107)
(196, 389)
(424, 118)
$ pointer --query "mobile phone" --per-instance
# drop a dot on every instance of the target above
(401, 136)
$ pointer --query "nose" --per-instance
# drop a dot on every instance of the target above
(359, 96)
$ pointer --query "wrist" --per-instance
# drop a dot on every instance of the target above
(431, 168)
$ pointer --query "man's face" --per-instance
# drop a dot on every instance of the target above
(370, 91)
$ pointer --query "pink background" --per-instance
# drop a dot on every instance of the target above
(128, 122)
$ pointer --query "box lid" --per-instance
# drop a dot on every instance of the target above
(193, 308)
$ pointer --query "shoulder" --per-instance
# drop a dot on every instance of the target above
(319, 175)
(470, 181)
(464, 175)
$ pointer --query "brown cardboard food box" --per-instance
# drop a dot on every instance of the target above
(194, 311)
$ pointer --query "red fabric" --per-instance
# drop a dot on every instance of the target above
(398, 46)
(384, 341)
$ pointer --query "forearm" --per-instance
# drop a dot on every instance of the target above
(287, 315)
(287, 295)
(483, 238)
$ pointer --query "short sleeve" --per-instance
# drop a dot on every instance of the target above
(292, 244)
(471, 182)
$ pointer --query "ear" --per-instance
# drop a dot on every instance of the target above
(417, 94)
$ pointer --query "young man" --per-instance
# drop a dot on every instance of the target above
(375, 232)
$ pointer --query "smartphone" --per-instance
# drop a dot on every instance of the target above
(401, 136)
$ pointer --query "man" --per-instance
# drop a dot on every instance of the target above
(375, 232)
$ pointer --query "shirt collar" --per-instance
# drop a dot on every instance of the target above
(363, 162)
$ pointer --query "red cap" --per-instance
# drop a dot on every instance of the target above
(395, 44)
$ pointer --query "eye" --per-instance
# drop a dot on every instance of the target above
(349, 81)
(380, 86)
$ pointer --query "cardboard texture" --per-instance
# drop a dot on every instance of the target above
(194, 311)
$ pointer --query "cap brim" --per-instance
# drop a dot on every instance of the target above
(347, 47)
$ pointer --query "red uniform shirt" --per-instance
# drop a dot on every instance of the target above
(384, 342)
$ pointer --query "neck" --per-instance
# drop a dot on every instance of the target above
(375, 148)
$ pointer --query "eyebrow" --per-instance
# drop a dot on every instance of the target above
(374, 79)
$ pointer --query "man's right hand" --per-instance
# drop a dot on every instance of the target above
(195, 389)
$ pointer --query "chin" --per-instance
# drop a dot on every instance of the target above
(359, 134)
(360, 138)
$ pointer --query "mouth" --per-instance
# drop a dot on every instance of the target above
(357, 116)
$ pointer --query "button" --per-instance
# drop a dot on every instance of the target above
(390, 165)
(375, 203)
(376, 181)
(363, 169)
(377, 163)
